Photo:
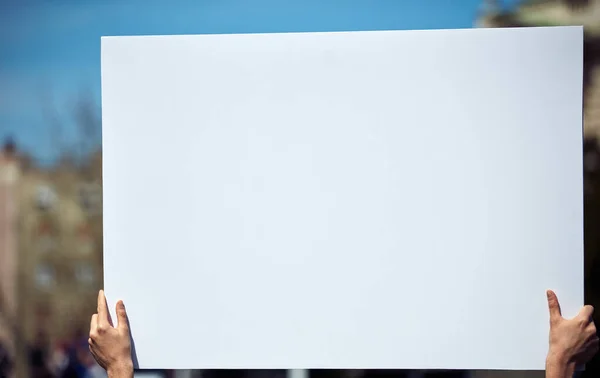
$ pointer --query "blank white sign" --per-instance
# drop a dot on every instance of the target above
(395, 199)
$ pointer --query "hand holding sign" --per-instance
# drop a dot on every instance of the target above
(573, 342)
(111, 346)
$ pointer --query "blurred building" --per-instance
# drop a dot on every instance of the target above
(9, 178)
(60, 253)
(50, 253)
(554, 13)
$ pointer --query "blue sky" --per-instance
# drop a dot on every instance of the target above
(50, 49)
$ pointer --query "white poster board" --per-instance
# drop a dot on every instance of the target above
(397, 199)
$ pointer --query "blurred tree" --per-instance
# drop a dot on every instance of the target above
(577, 4)
(85, 115)
(53, 120)
(88, 119)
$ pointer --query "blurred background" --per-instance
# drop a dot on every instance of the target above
(51, 152)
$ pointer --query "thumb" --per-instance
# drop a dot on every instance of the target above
(122, 316)
(553, 306)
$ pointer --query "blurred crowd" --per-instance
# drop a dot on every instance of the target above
(66, 359)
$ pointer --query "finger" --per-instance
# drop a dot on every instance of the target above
(94, 323)
(122, 316)
(589, 350)
(108, 316)
(553, 306)
(91, 348)
(102, 309)
(587, 312)
(590, 334)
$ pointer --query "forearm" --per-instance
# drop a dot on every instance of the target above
(121, 372)
(558, 367)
